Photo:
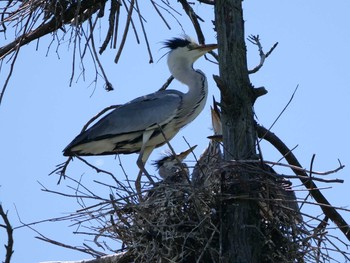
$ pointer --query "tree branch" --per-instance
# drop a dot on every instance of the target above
(326, 207)
(9, 230)
(194, 19)
(256, 41)
(46, 28)
(124, 257)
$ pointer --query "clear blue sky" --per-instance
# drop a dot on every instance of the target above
(41, 114)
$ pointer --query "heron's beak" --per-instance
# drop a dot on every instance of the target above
(184, 154)
(207, 48)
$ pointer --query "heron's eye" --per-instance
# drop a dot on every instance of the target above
(192, 46)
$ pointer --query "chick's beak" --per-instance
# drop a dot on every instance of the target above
(184, 154)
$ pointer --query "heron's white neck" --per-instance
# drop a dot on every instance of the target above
(194, 100)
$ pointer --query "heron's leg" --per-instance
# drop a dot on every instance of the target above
(138, 186)
(141, 161)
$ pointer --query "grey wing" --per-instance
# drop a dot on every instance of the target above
(137, 115)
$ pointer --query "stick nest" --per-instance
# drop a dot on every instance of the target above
(180, 222)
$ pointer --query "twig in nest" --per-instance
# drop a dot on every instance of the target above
(61, 169)
(256, 41)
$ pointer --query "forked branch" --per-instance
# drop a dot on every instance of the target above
(256, 41)
(9, 230)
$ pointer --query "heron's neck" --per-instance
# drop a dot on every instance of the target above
(194, 79)
(194, 100)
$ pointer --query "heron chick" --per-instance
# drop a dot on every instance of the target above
(171, 167)
(150, 121)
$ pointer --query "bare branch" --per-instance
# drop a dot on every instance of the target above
(9, 230)
(208, 2)
(326, 207)
(113, 14)
(285, 107)
(126, 30)
(144, 33)
(55, 23)
(160, 14)
(256, 41)
(108, 84)
(167, 83)
(194, 19)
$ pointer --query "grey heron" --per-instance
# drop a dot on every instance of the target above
(149, 121)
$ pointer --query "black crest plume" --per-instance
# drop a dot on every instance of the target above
(176, 42)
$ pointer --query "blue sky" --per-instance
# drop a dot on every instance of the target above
(41, 114)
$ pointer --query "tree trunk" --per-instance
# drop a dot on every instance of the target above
(240, 240)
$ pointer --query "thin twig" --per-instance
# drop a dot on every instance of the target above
(160, 14)
(167, 83)
(108, 84)
(283, 110)
(98, 115)
(126, 30)
(144, 32)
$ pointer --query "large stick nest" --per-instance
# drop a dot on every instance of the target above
(178, 222)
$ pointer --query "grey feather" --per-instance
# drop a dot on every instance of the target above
(146, 111)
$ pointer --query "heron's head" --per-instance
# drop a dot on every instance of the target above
(170, 165)
(184, 52)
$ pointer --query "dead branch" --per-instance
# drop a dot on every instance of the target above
(126, 30)
(9, 230)
(256, 41)
(108, 84)
(113, 22)
(123, 257)
(144, 32)
(194, 19)
(326, 207)
(80, 249)
(160, 14)
(55, 23)
(208, 2)
(285, 107)
(340, 167)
